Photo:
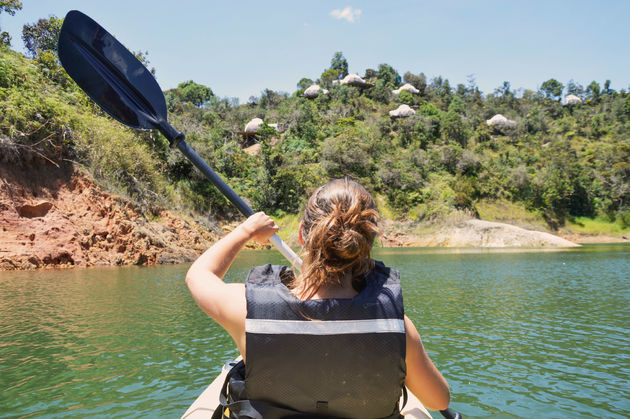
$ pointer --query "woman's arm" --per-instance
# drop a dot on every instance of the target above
(226, 303)
(423, 378)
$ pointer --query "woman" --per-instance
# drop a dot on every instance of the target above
(333, 340)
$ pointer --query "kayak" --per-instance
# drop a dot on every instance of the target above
(205, 404)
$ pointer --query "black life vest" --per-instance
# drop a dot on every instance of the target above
(329, 357)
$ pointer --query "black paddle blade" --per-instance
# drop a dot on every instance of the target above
(110, 74)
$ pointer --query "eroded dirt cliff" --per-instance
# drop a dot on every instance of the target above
(57, 217)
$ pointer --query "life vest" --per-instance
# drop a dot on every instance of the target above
(328, 357)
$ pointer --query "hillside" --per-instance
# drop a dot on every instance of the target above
(554, 167)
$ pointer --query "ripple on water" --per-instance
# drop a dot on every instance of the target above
(515, 334)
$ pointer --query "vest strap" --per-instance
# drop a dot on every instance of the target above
(327, 327)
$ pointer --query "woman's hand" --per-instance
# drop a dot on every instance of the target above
(259, 227)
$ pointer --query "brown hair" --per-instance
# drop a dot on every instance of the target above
(339, 225)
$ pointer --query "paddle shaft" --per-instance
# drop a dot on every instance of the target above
(229, 193)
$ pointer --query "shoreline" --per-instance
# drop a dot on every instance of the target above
(388, 241)
(58, 217)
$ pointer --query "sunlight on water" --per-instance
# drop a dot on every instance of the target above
(516, 334)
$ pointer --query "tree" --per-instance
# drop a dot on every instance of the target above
(457, 105)
(473, 94)
(188, 91)
(574, 88)
(504, 92)
(328, 76)
(270, 99)
(370, 74)
(453, 128)
(338, 62)
(607, 89)
(419, 81)
(5, 39)
(10, 7)
(593, 91)
(442, 89)
(381, 92)
(552, 89)
(388, 75)
(304, 83)
(42, 36)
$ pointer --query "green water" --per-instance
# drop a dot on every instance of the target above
(542, 334)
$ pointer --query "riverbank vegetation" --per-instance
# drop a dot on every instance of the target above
(555, 165)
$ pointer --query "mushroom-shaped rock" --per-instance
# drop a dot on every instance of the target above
(253, 125)
(500, 120)
(402, 111)
(572, 100)
(354, 80)
(313, 91)
(408, 87)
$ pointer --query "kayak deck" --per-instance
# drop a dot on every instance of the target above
(205, 404)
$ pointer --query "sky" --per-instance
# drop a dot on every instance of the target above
(239, 48)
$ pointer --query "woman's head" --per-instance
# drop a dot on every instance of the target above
(338, 230)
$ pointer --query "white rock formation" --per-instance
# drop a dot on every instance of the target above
(572, 100)
(408, 87)
(402, 111)
(353, 80)
(500, 120)
(254, 125)
(479, 233)
(313, 91)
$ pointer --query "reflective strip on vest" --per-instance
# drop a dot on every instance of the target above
(331, 327)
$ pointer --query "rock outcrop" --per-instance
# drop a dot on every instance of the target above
(313, 91)
(408, 87)
(402, 111)
(58, 217)
(572, 100)
(353, 80)
(255, 124)
(501, 121)
(479, 233)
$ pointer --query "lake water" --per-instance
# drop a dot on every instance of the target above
(516, 334)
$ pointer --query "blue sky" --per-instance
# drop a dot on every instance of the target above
(239, 48)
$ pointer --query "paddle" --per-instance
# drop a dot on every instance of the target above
(116, 80)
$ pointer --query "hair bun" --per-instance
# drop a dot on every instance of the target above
(339, 225)
(350, 245)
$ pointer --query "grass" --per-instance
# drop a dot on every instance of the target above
(597, 225)
(383, 208)
(510, 213)
(288, 224)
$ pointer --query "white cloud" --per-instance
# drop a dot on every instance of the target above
(348, 13)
